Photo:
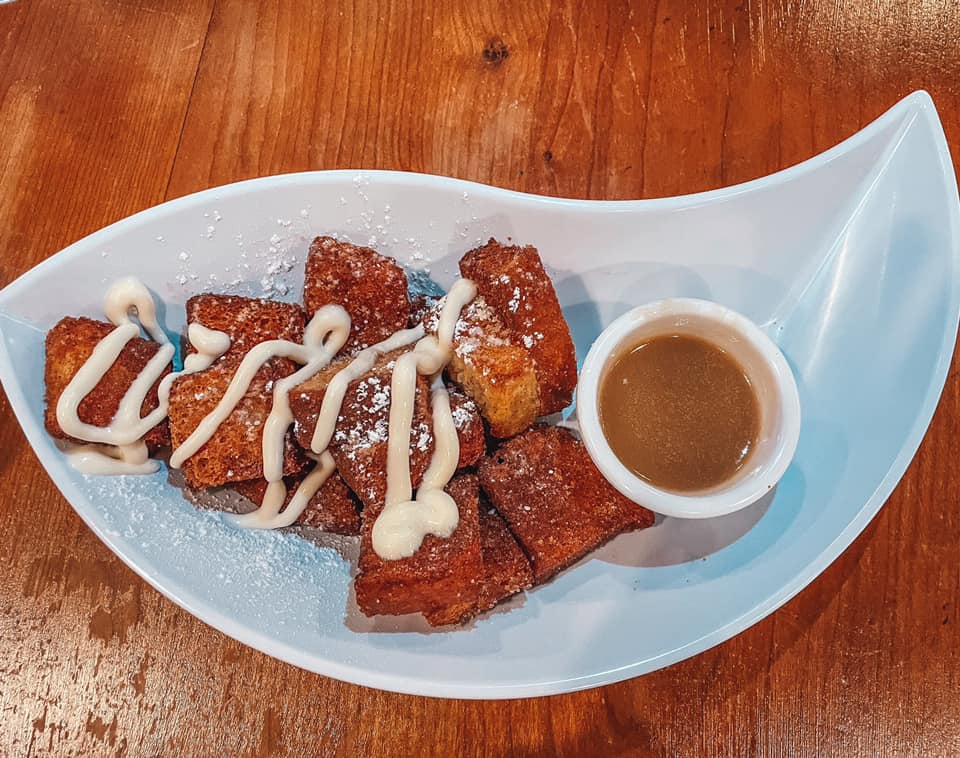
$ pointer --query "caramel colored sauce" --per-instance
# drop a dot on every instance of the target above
(679, 412)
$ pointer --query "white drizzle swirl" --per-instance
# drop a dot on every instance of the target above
(404, 521)
(121, 449)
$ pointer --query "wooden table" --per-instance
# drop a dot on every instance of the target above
(109, 106)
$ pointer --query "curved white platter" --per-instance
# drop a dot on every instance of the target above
(849, 260)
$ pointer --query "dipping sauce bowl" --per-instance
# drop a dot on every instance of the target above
(768, 372)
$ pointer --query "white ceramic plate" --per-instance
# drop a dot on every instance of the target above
(849, 260)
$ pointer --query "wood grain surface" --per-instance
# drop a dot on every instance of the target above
(109, 106)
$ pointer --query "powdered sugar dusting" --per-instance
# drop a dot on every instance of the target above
(264, 262)
(464, 413)
(269, 579)
(424, 437)
(278, 262)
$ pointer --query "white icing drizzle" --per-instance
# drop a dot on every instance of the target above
(121, 449)
(269, 516)
(126, 427)
(404, 521)
(328, 331)
(325, 336)
(443, 464)
(209, 344)
(97, 460)
(337, 388)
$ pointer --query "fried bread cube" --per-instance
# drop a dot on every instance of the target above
(512, 280)
(442, 574)
(506, 571)
(492, 369)
(333, 508)
(371, 287)
(248, 321)
(556, 502)
(68, 346)
(359, 444)
(469, 426)
(234, 452)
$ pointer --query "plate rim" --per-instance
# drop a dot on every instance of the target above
(918, 102)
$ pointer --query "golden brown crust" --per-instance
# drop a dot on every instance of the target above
(491, 368)
(454, 615)
(332, 509)
(554, 499)
(506, 571)
(470, 431)
(442, 574)
(247, 320)
(420, 305)
(359, 445)
(68, 346)
(371, 287)
(234, 452)
(512, 280)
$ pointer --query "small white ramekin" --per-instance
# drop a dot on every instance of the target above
(763, 364)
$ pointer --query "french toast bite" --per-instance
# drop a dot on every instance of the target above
(442, 574)
(68, 346)
(248, 321)
(491, 368)
(469, 426)
(556, 502)
(359, 444)
(371, 287)
(506, 571)
(333, 508)
(234, 452)
(512, 280)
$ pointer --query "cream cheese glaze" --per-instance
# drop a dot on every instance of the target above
(322, 339)
(121, 449)
(404, 522)
(327, 331)
(111, 459)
